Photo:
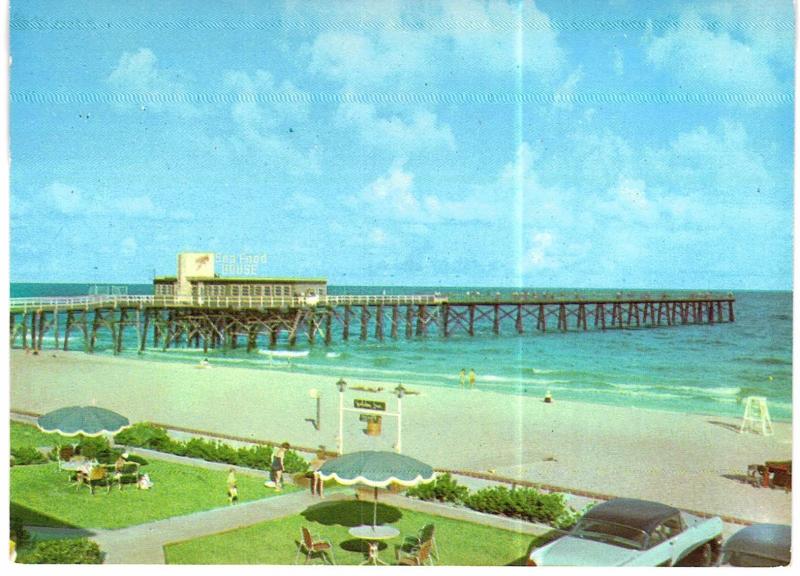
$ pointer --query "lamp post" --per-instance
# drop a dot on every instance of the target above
(314, 393)
(400, 391)
(342, 386)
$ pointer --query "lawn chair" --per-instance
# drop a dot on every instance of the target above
(64, 455)
(419, 557)
(311, 547)
(98, 476)
(426, 534)
(128, 474)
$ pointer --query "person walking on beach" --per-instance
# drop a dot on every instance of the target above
(233, 492)
(472, 378)
(462, 378)
(277, 465)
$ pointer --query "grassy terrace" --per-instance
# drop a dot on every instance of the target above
(460, 543)
(41, 495)
(27, 436)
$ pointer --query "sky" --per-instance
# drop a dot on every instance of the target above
(444, 143)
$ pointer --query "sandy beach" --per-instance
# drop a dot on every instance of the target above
(690, 461)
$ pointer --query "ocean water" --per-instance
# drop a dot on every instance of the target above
(697, 369)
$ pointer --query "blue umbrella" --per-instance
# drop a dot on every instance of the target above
(377, 469)
(86, 420)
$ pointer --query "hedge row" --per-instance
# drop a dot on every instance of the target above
(524, 503)
(146, 435)
(73, 551)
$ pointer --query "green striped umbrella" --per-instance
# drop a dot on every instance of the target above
(86, 420)
(377, 469)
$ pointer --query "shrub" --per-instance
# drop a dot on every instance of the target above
(73, 551)
(27, 455)
(525, 503)
(18, 533)
(145, 435)
(200, 448)
(443, 489)
(94, 447)
(259, 457)
(293, 462)
(138, 459)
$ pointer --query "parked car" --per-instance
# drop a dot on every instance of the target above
(759, 545)
(630, 532)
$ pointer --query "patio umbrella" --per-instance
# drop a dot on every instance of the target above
(86, 420)
(377, 469)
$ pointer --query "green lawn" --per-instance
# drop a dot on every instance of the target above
(28, 436)
(42, 496)
(274, 542)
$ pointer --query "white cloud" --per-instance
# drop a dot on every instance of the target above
(377, 236)
(566, 90)
(537, 256)
(420, 130)
(65, 198)
(361, 61)
(485, 34)
(700, 57)
(70, 200)
(262, 125)
(392, 196)
(630, 216)
(129, 247)
(618, 62)
(394, 192)
(138, 72)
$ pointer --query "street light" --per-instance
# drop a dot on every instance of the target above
(314, 393)
(342, 386)
(400, 391)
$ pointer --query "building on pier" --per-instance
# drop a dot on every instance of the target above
(197, 278)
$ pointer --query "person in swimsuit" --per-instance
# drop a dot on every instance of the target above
(277, 465)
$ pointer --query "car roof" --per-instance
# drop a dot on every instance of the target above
(767, 540)
(641, 514)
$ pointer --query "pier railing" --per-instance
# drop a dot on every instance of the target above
(241, 302)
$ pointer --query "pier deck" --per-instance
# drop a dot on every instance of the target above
(221, 322)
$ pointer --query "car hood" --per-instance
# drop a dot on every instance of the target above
(571, 551)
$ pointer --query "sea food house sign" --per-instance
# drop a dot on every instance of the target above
(240, 264)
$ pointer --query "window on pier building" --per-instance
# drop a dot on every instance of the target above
(257, 291)
(267, 290)
(245, 290)
(234, 290)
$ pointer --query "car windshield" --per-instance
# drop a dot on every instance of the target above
(610, 532)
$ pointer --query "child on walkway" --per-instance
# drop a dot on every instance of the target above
(233, 493)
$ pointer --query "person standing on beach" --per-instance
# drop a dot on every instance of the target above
(472, 378)
(462, 378)
(277, 465)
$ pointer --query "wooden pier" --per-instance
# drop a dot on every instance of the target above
(227, 323)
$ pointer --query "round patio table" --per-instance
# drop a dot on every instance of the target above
(373, 535)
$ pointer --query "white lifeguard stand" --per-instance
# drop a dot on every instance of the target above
(756, 416)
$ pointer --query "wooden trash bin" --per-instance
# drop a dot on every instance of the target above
(374, 426)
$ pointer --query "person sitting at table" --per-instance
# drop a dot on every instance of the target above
(120, 463)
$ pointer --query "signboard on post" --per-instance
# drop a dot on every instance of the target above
(369, 404)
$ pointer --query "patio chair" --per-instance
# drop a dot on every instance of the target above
(128, 474)
(64, 455)
(426, 534)
(98, 476)
(311, 548)
(419, 557)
